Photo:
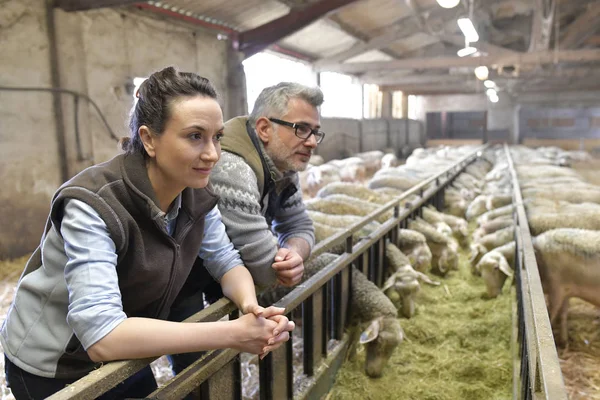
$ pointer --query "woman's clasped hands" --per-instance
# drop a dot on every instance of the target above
(261, 330)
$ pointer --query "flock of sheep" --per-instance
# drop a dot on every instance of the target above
(558, 203)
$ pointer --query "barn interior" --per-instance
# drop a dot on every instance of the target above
(440, 76)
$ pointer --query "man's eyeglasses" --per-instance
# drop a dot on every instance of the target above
(302, 131)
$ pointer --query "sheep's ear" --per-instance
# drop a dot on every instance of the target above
(371, 332)
(505, 268)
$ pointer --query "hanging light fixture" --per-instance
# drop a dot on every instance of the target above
(448, 3)
(466, 51)
(489, 84)
(482, 72)
(468, 29)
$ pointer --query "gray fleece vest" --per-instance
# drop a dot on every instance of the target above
(151, 265)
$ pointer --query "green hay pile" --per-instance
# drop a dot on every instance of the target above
(457, 346)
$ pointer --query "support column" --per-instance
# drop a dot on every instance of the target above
(404, 105)
(237, 103)
(386, 104)
(68, 68)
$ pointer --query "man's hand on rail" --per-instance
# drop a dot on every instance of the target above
(289, 267)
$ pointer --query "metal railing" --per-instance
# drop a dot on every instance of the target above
(324, 299)
(539, 375)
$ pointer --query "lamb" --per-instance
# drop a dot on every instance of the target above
(494, 270)
(569, 265)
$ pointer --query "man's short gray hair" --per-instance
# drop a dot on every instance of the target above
(273, 100)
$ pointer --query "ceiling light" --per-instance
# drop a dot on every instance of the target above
(448, 3)
(468, 29)
(494, 99)
(489, 84)
(491, 93)
(466, 51)
(482, 72)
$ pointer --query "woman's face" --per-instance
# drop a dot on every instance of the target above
(189, 147)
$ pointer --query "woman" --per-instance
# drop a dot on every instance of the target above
(120, 242)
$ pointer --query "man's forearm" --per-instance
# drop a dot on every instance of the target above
(300, 246)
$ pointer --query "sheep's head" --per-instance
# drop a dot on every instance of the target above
(380, 338)
(420, 257)
(494, 271)
(408, 288)
(477, 251)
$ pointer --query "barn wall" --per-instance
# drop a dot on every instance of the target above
(99, 52)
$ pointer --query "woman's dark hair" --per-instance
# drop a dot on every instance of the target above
(154, 99)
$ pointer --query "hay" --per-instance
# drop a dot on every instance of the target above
(579, 360)
(457, 346)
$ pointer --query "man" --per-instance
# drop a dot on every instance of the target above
(257, 180)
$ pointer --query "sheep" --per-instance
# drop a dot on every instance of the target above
(315, 177)
(389, 160)
(369, 307)
(393, 181)
(542, 222)
(414, 245)
(493, 214)
(340, 221)
(494, 270)
(343, 204)
(569, 265)
(507, 250)
(458, 225)
(316, 160)
(323, 231)
(493, 226)
(444, 257)
(354, 190)
(491, 241)
(403, 284)
(384, 332)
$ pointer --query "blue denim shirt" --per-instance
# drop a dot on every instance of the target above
(94, 297)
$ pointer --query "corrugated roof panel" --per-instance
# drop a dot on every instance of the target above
(241, 14)
(370, 17)
(319, 39)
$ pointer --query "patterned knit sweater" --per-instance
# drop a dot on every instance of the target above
(255, 234)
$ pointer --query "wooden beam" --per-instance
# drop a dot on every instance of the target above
(583, 27)
(82, 5)
(482, 45)
(534, 58)
(541, 27)
(392, 79)
(255, 40)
